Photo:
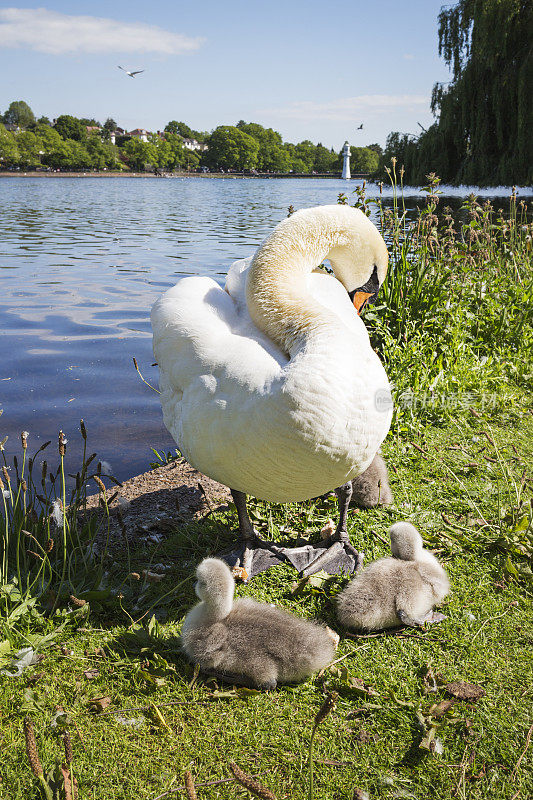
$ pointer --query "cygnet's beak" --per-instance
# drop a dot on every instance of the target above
(366, 293)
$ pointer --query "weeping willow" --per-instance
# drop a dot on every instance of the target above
(483, 132)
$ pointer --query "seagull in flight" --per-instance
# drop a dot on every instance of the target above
(360, 128)
(131, 74)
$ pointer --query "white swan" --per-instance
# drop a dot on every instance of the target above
(271, 386)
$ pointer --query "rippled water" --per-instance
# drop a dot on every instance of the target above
(81, 262)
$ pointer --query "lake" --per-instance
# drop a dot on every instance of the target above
(82, 261)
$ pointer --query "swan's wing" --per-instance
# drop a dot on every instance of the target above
(236, 282)
(203, 345)
(330, 292)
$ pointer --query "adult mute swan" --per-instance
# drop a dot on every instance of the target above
(271, 386)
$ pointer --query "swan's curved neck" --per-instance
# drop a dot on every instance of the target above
(219, 605)
(277, 295)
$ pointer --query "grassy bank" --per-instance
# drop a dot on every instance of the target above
(454, 329)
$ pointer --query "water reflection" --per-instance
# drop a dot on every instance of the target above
(82, 262)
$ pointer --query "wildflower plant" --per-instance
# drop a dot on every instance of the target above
(49, 544)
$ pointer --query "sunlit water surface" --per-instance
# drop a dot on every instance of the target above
(82, 261)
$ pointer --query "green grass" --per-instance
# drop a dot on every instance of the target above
(269, 733)
(460, 451)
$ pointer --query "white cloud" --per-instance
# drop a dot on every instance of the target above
(408, 56)
(56, 33)
(351, 108)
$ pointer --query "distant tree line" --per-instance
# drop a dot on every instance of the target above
(484, 116)
(84, 144)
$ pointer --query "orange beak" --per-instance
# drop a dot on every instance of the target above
(360, 299)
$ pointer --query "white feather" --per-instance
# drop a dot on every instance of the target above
(278, 425)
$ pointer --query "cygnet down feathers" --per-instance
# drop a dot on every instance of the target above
(248, 642)
(398, 590)
(372, 488)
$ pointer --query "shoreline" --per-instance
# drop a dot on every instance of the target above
(220, 175)
(481, 191)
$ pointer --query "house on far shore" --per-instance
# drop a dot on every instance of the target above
(192, 144)
(139, 133)
(92, 129)
(114, 135)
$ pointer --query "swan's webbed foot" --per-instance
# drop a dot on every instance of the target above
(434, 617)
(253, 555)
(340, 550)
(239, 680)
(338, 556)
(431, 618)
(406, 619)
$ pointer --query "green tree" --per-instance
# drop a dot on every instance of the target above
(30, 149)
(44, 121)
(9, 154)
(139, 155)
(57, 155)
(190, 159)
(70, 127)
(49, 136)
(108, 127)
(363, 159)
(175, 143)
(230, 148)
(484, 115)
(19, 113)
(271, 156)
(179, 128)
(103, 155)
(325, 160)
(304, 153)
(78, 156)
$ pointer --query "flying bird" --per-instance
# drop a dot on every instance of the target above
(360, 128)
(131, 74)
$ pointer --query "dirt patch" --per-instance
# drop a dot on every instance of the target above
(156, 501)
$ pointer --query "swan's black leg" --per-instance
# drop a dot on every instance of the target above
(250, 541)
(340, 539)
(246, 530)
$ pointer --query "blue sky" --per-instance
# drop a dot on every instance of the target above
(309, 69)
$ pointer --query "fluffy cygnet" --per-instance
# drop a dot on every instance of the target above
(398, 590)
(371, 488)
(248, 642)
